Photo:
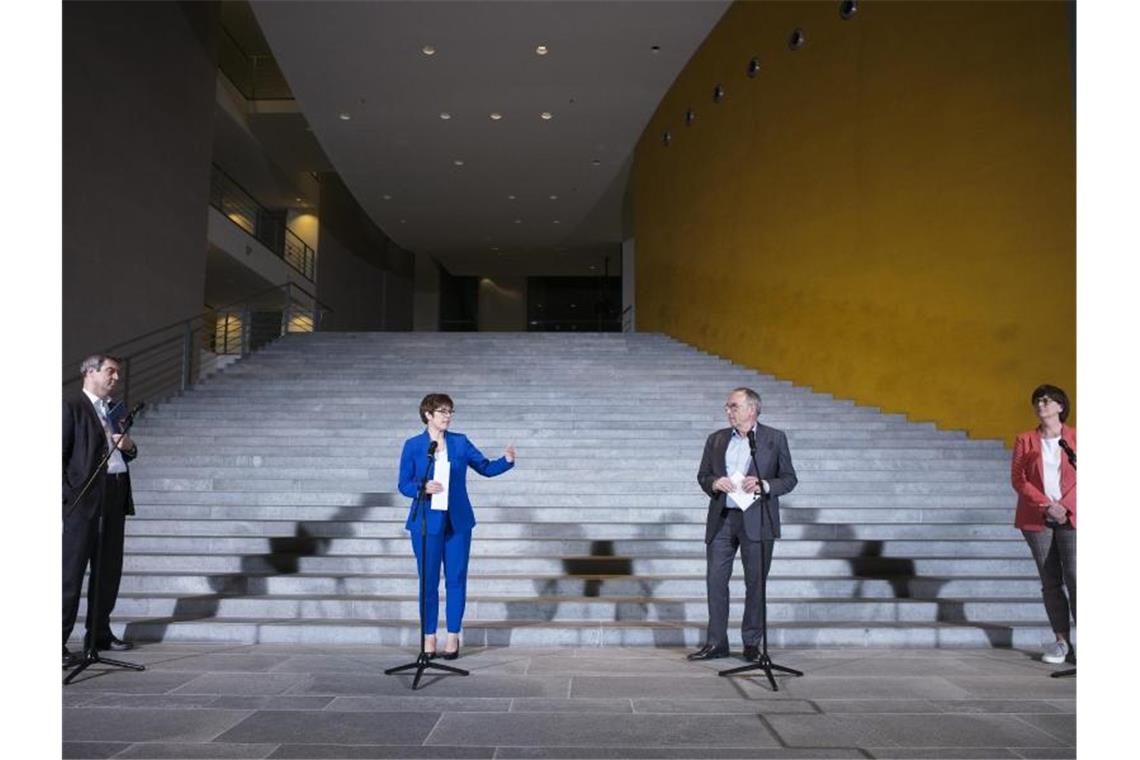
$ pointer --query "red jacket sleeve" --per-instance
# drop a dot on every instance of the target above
(1022, 459)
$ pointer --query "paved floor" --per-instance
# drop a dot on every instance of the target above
(218, 701)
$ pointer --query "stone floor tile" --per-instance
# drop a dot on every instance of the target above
(724, 706)
(908, 731)
(912, 666)
(313, 751)
(990, 706)
(1001, 687)
(128, 682)
(409, 703)
(545, 729)
(338, 663)
(435, 684)
(218, 662)
(940, 753)
(609, 665)
(207, 750)
(153, 701)
(237, 702)
(886, 687)
(876, 706)
(78, 750)
(327, 727)
(145, 725)
(607, 706)
(244, 684)
(1045, 753)
(1063, 727)
(708, 686)
(680, 753)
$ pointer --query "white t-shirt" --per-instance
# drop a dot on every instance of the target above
(1051, 466)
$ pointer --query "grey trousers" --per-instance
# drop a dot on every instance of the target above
(720, 553)
(1055, 552)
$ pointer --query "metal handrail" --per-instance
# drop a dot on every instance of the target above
(627, 319)
(164, 367)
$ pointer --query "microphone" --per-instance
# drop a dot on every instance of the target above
(126, 422)
(1069, 452)
(431, 449)
(752, 441)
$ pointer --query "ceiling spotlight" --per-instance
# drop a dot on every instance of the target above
(494, 248)
(546, 115)
(428, 49)
(510, 197)
(386, 197)
(596, 162)
(655, 49)
(554, 197)
(542, 50)
(495, 116)
(556, 222)
(345, 116)
(458, 162)
(403, 221)
(753, 67)
(298, 200)
(518, 221)
(445, 115)
(848, 9)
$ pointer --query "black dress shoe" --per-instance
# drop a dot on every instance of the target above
(708, 652)
(751, 652)
(71, 659)
(113, 644)
(451, 655)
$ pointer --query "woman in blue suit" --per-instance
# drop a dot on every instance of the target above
(448, 531)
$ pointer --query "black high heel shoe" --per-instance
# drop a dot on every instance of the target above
(451, 655)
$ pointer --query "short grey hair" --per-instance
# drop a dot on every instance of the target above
(94, 363)
(752, 396)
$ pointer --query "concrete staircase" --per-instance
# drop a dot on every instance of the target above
(268, 511)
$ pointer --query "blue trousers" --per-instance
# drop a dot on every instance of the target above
(453, 549)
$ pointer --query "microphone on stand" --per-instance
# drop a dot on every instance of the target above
(129, 420)
(1068, 452)
(752, 441)
(431, 449)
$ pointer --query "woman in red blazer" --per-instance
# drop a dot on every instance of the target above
(1044, 474)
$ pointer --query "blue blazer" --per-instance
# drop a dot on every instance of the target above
(461, 454)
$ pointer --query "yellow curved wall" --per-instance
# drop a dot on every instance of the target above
(886, 214)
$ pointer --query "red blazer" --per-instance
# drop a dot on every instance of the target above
(1026, 476)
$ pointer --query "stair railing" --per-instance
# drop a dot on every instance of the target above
(170, 360)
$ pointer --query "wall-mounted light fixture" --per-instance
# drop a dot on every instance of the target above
(718, 93)
(753, 68)
(797, 39)
(690, 117)
(666, 138)
(848, 8)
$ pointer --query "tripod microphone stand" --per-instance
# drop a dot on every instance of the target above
(764, 662)
(423, 662)
(91, 654)
(1072, 455)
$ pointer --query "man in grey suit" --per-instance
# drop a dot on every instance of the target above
(730, 478)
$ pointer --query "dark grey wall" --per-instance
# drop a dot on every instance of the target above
(138, 102)
(365, 278)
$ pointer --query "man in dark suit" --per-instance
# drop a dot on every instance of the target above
(737, 494)
(91, 427)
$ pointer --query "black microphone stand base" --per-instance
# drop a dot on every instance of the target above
(92, 657)
(764, 663)
(1063, 673)
(422, 663)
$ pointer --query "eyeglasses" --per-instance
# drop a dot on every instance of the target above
(444, 412)
(1045, 400)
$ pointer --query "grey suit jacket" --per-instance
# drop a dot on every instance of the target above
(775, 463)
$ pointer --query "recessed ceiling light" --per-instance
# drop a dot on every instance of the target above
(510, 197)
(458, 162)
(494, 248)
(444, 115)
(428, 49)
(655, 49)
(518, 221)
(345, 116)
(557, 222)
(403, 221)
(546, 115)
(298, 200)
(542, 50)
(495, 116)
(593, 268)
(386, 197)
(554, 197)
(597, 162)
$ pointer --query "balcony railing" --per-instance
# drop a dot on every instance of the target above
(256, 77)
(267, 226)
(164, 362)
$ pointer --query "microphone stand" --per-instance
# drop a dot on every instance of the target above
(91, 654)
(764, 662)
(423, 661)
(1072, 455)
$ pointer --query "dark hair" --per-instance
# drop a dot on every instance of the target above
(1055, 393)
(94, 363)
(434, 401)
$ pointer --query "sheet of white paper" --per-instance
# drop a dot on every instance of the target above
(738, 495)
(443, 477)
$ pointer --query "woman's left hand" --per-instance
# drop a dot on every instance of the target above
(1057, 512)
(509, 453)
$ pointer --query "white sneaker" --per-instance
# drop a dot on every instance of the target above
(1055, 652)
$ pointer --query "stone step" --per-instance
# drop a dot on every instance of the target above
(540, 633)
(694, 529)
(553, 609)
(873, 567)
